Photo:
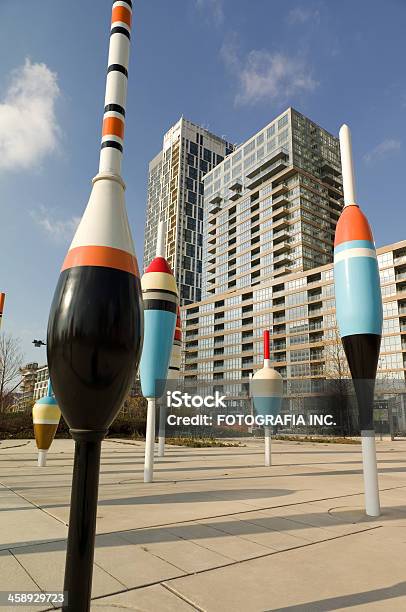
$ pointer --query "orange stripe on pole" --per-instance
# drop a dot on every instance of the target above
(114, 126)
(101, 256)
(121, 13)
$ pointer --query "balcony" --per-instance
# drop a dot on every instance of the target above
(235, 196)
(279, 213)
(328, 166)
(283, 233)
(279, 346)
(216, 199)
(236, 186)
(279, 201)
(282, 258)
(268, 169)
(279, 189)
(280, 247)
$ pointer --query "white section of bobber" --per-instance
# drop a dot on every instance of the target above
(347, 166)
(105, 221)
(268, 383)
(371, 485)
(42, 458)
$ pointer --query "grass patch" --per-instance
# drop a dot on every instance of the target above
(320, 439)
(201, 442)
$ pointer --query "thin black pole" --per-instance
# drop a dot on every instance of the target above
(82, 520)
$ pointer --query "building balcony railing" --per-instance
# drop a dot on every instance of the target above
(280, 234)
(268, 172)
(315, 298)
(279, 189)
(279, 247)
(399, 260)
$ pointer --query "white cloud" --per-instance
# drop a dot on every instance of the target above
(28, 126)
(213, 9)
(300, 14)
(264, 75)
(56, 229)
(390, 145)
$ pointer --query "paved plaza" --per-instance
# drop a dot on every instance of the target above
(216, 531)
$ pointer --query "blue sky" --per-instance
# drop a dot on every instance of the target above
(228, 64)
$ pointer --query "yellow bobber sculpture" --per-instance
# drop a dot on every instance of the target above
(46, 416)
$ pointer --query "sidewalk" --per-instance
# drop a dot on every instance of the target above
(216, 531)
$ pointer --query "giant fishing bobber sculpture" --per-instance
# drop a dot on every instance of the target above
(2, 300)
(96, 321)
(45, 417)
(160, 297)
(266, 392)
(359, 313)
(173, 374)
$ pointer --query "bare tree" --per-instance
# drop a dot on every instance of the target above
(335, 361)
(336, 370)
(11, 359)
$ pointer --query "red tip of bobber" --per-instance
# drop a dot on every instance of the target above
(2, 298)
(266, 344)
(159, 264)
(352, 225)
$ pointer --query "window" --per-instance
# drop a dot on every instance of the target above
(282, 121)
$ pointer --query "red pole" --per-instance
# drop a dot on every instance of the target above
(266, 344)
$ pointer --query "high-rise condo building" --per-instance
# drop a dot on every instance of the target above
(175, 195)
(272, 206)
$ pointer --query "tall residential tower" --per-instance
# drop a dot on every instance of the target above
(175, 195)
(272, 206)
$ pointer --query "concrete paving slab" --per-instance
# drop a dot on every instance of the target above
(184, 555)
(45, 563)
(151, 599)
(132, 565)
(329, 576)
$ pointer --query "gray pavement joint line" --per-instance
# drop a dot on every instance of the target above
(154, 554)
(25, 569)
(197, 543)
(15, 445)
(34, 504)
(172, 590)
(212, 569)
(110, 574)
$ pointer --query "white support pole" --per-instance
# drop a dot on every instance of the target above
(161, 434)
(42, 458)
(150, 442)
(268, 457)
(347, 165)
(371, 487)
